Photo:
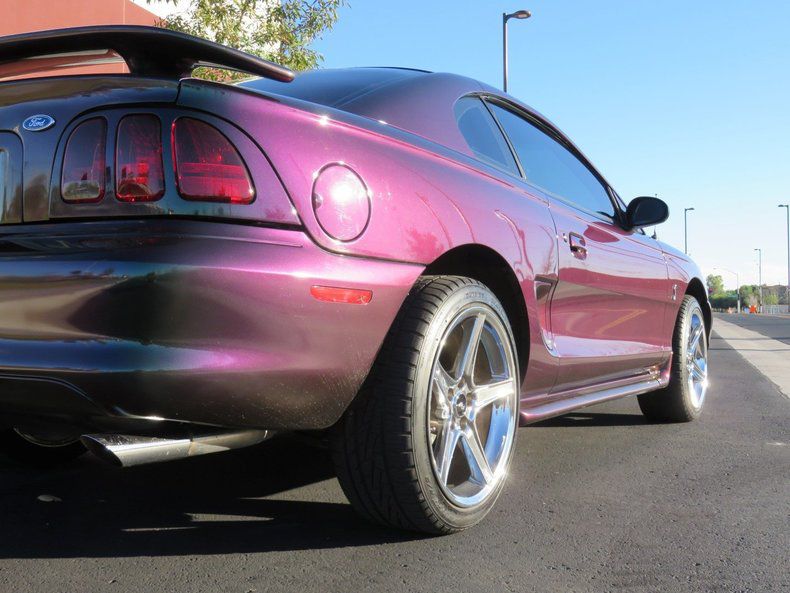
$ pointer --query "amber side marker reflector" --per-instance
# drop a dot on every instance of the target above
(333, 294)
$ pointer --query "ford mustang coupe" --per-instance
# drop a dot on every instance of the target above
(412, 263)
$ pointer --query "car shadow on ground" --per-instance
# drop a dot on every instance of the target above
(227, 503)
(593, 419)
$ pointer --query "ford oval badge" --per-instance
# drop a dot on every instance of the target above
(38, 123)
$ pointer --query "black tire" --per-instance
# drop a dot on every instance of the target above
(381, 445)
(677, 402)
(26, 451)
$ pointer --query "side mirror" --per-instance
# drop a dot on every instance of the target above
(646, 211)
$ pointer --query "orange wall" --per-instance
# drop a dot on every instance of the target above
(20, 16)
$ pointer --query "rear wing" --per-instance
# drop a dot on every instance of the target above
(147, 51)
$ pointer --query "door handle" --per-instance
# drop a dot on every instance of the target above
(578, 245)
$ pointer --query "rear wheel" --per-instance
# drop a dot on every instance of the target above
(41, 450)
(683, 398)
(427, 443)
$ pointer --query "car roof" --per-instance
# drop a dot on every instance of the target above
(418, 101)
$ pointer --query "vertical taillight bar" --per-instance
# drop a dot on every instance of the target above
(83, 177)
(139, 174)
(208, 167)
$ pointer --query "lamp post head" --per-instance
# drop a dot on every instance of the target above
(689, 209)
(519, 14)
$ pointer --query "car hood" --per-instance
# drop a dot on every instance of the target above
(673, 251)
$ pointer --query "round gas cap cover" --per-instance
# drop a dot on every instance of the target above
(341, 202)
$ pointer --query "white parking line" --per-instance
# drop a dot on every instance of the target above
(770, 357)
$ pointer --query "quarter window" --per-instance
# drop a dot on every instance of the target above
(551, 166)
(482, 134)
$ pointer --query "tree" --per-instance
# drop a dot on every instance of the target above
(715, 284)
(749, 294)
(276, 30)
(724, 301)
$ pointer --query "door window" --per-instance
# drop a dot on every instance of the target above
(551, 166)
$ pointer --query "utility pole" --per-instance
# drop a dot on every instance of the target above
(760, 275)
(787, 288)
(686, 230)
(519, 14)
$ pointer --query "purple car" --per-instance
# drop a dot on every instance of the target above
(410, 263)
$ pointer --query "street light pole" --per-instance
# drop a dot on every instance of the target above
(760, 275)
(686, 230)
(787, 288)
(519, 14)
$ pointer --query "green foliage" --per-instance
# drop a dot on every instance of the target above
(724, 301)
(750, 294)
(715, 284)
(276, 30)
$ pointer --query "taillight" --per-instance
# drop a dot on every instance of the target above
(84, 162)
(208, 166)
(138, 159)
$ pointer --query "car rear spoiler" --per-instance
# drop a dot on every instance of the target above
(147, 51)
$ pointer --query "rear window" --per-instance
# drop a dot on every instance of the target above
(332, 88)
(482, 134)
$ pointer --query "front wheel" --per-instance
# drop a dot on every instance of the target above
(683, 398)
(427, 443)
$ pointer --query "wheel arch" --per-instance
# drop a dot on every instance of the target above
(696, 289)
(487, 266)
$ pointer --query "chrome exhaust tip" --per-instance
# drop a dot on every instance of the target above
(129, 450)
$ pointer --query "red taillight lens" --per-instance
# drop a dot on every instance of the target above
(208, 166)
(84, 162)
(138, 159)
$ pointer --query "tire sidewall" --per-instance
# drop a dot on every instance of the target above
(682, 353)
(454, 516)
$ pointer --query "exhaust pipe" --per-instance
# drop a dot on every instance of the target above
(127, 450)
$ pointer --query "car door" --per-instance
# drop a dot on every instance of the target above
(608, 306)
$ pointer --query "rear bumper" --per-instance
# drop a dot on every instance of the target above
(200, 322)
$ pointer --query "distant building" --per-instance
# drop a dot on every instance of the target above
(21, 16)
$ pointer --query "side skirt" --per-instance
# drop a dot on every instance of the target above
(575, 400)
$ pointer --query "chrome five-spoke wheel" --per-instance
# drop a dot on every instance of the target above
(473, 406)
(697, 359)
(427, 444)
(682, 399)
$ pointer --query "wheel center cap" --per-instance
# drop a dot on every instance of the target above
(460, 405)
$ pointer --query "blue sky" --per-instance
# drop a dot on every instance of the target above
(689, 100)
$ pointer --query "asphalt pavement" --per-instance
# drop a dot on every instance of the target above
(776, 327)
(597, 501)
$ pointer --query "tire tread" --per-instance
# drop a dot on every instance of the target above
(372, 445)
(672, 404)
